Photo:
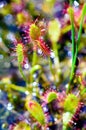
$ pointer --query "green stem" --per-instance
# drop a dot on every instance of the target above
(71, 2)
(76, 49)
(34, 60)
(71, 13)
(78, 42)
(17, 88)
(21, 72)
(57, 64)
(55, 49)
(73, 35)
(73, 47)
(51, 69)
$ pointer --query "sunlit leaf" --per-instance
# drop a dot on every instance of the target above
(35, 109)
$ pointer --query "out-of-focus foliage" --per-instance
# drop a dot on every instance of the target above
(42, 64)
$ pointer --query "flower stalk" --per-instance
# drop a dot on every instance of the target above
(75, 53)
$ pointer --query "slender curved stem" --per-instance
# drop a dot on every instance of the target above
(77, 43)
(73, 32)
(34, 60)
(17, 88)
(74, 54)
(21, 72)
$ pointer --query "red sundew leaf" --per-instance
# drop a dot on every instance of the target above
(44, 47)
(35, 109)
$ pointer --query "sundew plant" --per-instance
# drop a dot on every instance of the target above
(42, 65)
